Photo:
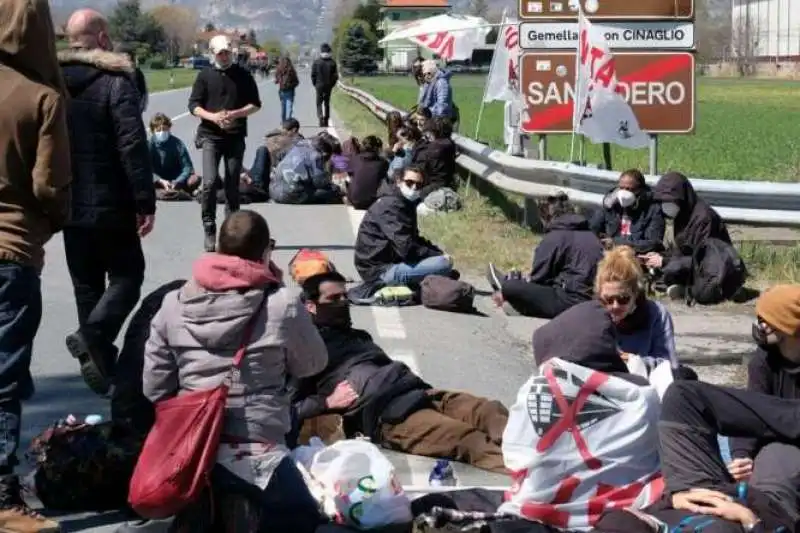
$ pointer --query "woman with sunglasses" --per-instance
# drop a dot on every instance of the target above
(644, 326)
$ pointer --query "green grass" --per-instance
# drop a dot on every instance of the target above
(158, 80)
(494, 237)
(746, 129)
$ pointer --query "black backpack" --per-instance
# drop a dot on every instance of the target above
(718, 272)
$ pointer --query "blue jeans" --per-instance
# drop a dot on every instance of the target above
(259, 172)
(405, 274)
(287, 103)
(20, 315)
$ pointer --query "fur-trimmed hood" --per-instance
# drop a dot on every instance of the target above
(97, 58)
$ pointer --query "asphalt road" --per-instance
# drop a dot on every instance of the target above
(488, 355)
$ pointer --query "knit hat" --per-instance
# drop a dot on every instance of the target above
(780, 308)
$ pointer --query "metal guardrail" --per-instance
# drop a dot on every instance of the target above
(755, 203)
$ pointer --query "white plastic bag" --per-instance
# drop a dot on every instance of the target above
(362, 483)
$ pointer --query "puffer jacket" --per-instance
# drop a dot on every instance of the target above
(112, 176)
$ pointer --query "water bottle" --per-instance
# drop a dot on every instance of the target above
(93, 420)
(741, 492)
(442, 475)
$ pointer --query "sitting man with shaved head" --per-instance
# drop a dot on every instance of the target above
(113, 196)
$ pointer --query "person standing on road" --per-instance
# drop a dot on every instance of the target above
(324, 77)
(113, 197)
(223, 96)
(287, 81)
(35, 179)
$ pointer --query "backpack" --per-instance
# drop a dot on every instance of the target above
(446, 294)
(718, 272)
(307, 263)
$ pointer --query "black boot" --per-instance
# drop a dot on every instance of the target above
(97, 362)
(210, 242)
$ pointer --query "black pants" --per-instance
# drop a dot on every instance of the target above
(97, 254)
(231, 151)
(324, 103)
(693, 414)
(538, 301)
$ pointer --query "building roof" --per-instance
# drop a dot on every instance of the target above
(416, 3)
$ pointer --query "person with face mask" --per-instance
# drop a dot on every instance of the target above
(409, 143)
(369, 172)
(383, 399)
(629, 216)
(644, 327)
(694, 222)
(223, 96)
(773, 370)
(172, 165)
(113, 196)
(389, 249)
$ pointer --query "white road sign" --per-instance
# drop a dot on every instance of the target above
(668, 35)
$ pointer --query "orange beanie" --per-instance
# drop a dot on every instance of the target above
(780, 308)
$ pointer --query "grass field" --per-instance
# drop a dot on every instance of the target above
(481, 232)
(158, 80)
(746, 129)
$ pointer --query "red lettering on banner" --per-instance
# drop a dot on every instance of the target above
(548, 513)
(512, 37)
(569, 414)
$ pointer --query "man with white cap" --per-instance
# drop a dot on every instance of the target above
(223, 96)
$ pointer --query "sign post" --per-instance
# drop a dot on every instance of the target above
(653, 42)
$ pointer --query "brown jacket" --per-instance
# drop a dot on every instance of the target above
(34, 144)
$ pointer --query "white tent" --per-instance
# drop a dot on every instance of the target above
(451, 37)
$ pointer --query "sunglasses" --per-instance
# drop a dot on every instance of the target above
(621, 299)
(411, 184)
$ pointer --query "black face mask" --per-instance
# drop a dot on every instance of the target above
(333, 314)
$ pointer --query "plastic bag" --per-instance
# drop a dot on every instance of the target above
(362, 483)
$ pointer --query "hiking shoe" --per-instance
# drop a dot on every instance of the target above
(16, 516)
(676, 292)
(495, 277)
(94, 366)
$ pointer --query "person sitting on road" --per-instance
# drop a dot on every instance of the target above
(303, 176)
(383, 399)
(389, 249)
(582, 435)
(193, 338)
(437, 157)
(644, 326)
(170, 159)
(773, 370)
(694, 222)
(394, 121)
(405, 150)
(277, 144)
(564, 266)
(629, 216)
(699, 491)
(369, 172)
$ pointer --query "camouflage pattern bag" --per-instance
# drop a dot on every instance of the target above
(83, 467)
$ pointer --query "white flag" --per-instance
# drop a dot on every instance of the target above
(601, 113)
(503, 82)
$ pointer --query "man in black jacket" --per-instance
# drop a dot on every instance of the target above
(384, 400)
(223, 96)
(113, 198)
(324, 77)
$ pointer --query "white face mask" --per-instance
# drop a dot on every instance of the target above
(412, 195)
(626, 198)
(670, 209)
(161, 136)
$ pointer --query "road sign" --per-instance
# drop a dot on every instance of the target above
(640, 35)
(659, 86)
(607, 9)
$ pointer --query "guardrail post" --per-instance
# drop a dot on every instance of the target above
(653, 154)
(542, 155)
(531, 217)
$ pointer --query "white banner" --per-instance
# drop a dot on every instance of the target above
(503, 81)
(453, 46)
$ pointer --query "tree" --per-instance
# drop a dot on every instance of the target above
(129, 25)
(179, 24)
(359, 48)
(713, 30)
(479, 8)
(745, 43)
(369, 12)
(272, 48)
(252, 39)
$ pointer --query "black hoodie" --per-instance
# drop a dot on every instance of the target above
(568, 255)
(696, 221)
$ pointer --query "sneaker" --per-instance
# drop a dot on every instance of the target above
(16, 516)
(94, 364)
(495, 277)
(210, 242)
(676, 292)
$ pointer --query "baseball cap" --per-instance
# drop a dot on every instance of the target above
(219, 43)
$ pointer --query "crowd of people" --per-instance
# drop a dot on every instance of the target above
(78, 161)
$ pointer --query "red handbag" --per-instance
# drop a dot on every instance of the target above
(181, 449)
